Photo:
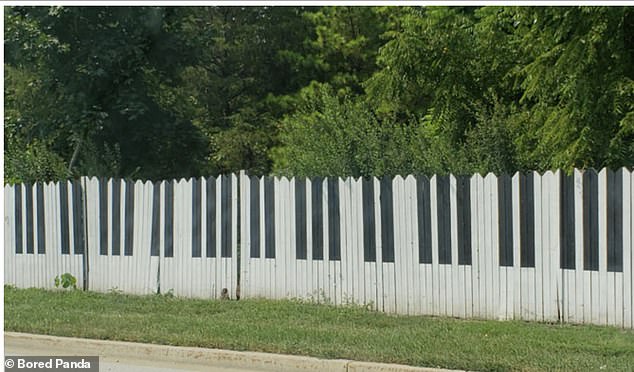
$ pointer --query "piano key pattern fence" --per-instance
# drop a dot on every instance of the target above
(134, 237)
(551, 247)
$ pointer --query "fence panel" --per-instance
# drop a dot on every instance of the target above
(551, 247)
(40, 241)
(536, 247)
(120, 229)
(199, 248)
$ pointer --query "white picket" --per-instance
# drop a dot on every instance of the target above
(554, 213)
(603, 270)
(628, 250)
(514, 289)
(576, 288)
(411, 258)
(347, 268)
(479, 265)
(9, 235)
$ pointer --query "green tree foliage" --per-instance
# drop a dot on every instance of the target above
(89, 90)
(330, 136)
(152, 92)
(576, 85)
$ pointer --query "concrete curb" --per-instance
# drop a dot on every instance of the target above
(202, 356)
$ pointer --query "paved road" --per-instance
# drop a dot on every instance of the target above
(113, 363)
(137, 357)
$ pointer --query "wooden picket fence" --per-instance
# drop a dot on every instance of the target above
(545, 247)
(138, 237)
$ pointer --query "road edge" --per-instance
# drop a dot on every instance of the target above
(203, 356)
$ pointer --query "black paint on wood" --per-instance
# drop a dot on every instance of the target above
(41, 234)
(505, 220)
(169, 219)
(78, 217)
(334, 233)
(103, 217)
(254, 222)
(29, 218)
(527, 220)
(615, 221)
(369, 226)
(18, 219)
(317, 210)
(590, 220)
(210, 209)
(463, 194)
(156, 220)
(387, 220)
(226, 216)
(424, 220)
(64, 218)
(269, 217)
(197, 238)
(567, 227)
(129, 218)
(300, 219)
(443, 211)
(116, 217)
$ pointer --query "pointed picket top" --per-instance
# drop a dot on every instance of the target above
(353, 181)
(628, 168)
(516, 176)
(410, 178)
(490, 175)
(548, 174)
(182, 181)
(603, 172)
(347, 181)
(398, 178)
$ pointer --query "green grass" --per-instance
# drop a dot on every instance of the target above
(293, 327)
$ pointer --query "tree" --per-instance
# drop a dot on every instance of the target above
(91, 65)
(577, 88)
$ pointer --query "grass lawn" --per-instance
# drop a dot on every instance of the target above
(293, 327)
